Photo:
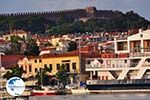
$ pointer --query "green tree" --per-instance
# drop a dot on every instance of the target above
(32, 49)
(43, 76)
(61, 75)
(15, 45)
(72, 46)
(14, 72)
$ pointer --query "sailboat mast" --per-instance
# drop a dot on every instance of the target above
(80, 58)
(41, 72)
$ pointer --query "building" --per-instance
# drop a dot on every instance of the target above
(139, 42)
(20, 33)
(9, 61)
(54, 61)
(130, 60)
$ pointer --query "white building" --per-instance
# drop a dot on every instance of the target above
(131, 60)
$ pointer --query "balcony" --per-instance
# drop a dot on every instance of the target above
(95, 66)
(105, 67)
(139, 54)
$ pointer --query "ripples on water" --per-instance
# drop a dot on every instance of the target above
(140, 96)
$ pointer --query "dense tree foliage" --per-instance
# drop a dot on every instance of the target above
(72, 46)
(32, 49)
(41, 25)
(15, 47)
(43, 76)
(61, 75)
(14, 72)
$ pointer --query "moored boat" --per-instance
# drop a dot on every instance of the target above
(80, 90)
(44, 91)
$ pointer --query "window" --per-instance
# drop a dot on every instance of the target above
(40, 60)
(88, 62)
(125, 61)
(148, 60)
(30, 68)
(68, 67)
(35, 61)
(101, 61)
(36, 70)
(45, 65)
(74, 66)
(50, 65)
(65, 60)
(122, 46)
(21, 67)
(58, 66)
(141, 35)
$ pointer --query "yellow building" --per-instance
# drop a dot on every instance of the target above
(33, 65)
(19, 33)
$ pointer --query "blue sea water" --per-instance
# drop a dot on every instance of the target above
(131, 96)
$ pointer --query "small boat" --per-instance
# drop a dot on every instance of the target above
(75, 89)
(44, 91)
(80, 90)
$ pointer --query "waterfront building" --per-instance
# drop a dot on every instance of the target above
(130, 60)
(54, 61)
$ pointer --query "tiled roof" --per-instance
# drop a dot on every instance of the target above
(17, 32)
(48, 49)
(9, 61)
(70, 54)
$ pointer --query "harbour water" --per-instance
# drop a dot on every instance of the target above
(132, 96)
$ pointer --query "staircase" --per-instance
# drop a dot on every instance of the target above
(141, 73)
(123, 74)
(114, 74)
(141, 62)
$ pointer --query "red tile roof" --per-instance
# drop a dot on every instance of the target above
(69, 54)
(9, 61)
(17, 32)
(48, 49)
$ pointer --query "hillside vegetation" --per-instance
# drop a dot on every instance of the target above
(41, 25)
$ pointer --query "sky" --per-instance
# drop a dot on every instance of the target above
(13, 6)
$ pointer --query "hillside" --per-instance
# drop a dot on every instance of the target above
(70, 21)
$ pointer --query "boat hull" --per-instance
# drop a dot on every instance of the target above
(134, 85)
(79, 91)
(43, 93)
(118, 88)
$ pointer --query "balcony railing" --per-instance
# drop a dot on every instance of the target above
(104, 66)
(138, 49)
(139, 54)
(98, 66)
